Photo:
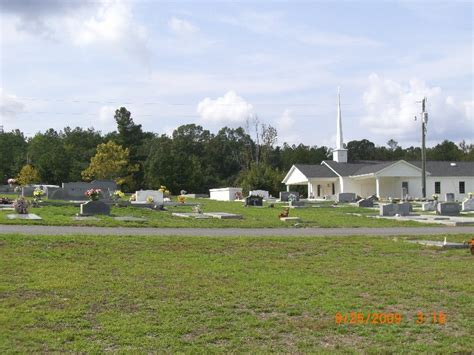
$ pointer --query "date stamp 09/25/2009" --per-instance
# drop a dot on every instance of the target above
(380, 318)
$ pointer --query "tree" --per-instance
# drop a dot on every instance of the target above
(131, 136)
(261, 176)
(110, 162)
(361, 150)
(13, 151)
(80, 146)
(46, 152)
(447, 150)
(28, 175)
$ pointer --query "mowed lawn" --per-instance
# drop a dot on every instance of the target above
(253, 217)
(247, 294)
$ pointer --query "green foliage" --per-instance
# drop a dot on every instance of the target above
(110, 162)
(261, 177)
(13, 150)
(28, 175)
(47, 153)
(80, 146)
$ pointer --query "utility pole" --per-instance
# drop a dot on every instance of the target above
(424, 122)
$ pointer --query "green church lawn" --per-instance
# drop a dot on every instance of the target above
(242, 294)
(254, 217)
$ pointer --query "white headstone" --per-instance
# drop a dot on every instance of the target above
(143, 196)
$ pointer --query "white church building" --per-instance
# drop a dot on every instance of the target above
(383, 179)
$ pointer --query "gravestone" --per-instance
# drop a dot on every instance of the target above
(94, 207)
(254, 200)
(346, 197)
(429, 206)
(27, 191)
(448, 208)
(449, 197)
(263, 193)
(468, 205)
(130, 219)
(297, 204)
(223, 215)
(194, 215)
(290, 219)
(142, 196)
(388, 209)
(404, 209)
(284, 195)
(28, 216)
(365, 202)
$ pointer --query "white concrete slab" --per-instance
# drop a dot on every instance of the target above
(28, 216)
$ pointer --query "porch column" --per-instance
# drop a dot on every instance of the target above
(310, 190)
(377, 186)
(287, 188)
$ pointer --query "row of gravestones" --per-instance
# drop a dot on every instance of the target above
(466, 206)
(74, 190)
(441, 208)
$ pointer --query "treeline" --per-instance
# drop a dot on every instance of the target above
(192, 158)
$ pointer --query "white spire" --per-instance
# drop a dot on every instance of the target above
(339, 139)
(339, 154)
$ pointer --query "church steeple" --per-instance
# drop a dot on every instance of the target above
(339, 154)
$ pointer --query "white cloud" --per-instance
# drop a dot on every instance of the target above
(106, 114)
(230, 108)
(10, 106)
(286, 128)
(391, 107)
(109, 23)
(182, 27)
(286, 121)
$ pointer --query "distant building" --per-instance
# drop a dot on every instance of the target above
(385, 179)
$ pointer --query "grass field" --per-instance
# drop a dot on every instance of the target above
(322, 216)
(203, 294)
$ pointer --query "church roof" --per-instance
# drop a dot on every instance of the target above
(447, 168)
(311, 171)
(329, 168)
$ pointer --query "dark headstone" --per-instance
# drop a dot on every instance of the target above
(449, 197)
(254, 200)
(346, 197)
(448, 208)
(365, 202)
(94, 207)
(284, 195)
(389, 209)
(404, 209)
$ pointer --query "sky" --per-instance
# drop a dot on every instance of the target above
(220, 63)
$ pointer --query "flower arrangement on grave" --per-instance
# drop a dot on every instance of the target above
(183, 192)
(470, 194)
(150, 199)
(5, 200)
(238, 195)
(435, 197)
(181, 198)
(117, 195)
(12, 182)
(93, 194)
(21, 205)
(38, 193)
(165, 191)
(133, 197)
(291, 198)
(197, 209)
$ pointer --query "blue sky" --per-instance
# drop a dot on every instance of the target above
(72, 63)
